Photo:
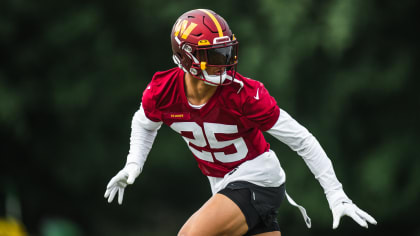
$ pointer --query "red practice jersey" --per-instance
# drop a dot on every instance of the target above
(226, 131)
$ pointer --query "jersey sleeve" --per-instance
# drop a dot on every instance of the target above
(261, 108)
(148, 102)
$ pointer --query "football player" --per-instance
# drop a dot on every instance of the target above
(221, 116)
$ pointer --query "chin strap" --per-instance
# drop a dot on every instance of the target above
(214, 80)
(241, 84)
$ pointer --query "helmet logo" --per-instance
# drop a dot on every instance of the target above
(181, 28)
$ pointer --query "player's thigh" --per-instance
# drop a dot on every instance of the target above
(218, 216)
(275, 233)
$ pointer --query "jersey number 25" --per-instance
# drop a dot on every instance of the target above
(209, 132)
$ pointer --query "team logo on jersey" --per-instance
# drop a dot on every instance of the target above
(177, 115)
(257, 97)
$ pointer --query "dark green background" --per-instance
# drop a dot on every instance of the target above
(72, 74)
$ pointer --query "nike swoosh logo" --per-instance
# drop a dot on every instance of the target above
(257, 96)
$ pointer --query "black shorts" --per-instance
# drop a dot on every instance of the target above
(258, 204)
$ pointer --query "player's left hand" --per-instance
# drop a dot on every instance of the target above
(350, 209)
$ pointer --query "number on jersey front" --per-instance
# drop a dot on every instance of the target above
(209, 131)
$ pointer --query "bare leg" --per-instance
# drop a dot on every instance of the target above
(218, 216)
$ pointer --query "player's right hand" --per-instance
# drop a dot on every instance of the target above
(118, 183)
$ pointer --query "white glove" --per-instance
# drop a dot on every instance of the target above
(118, 183)
(341, 205)
(350, 209)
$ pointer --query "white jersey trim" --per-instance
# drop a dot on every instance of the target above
(196, 106)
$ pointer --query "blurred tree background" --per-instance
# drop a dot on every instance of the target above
(72, 74)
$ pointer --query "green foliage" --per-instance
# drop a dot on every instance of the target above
(72, 75)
